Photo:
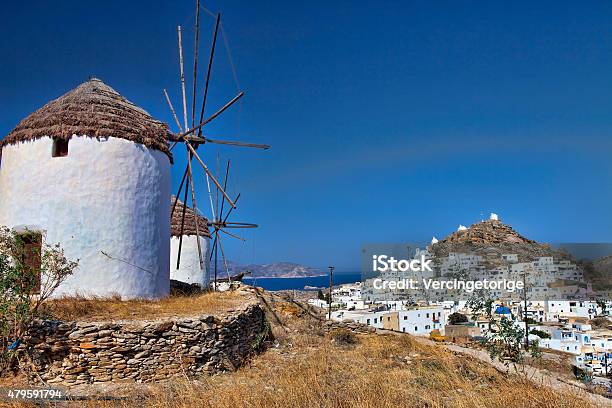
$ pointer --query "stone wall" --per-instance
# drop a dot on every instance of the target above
(71, 353)
(355, 327)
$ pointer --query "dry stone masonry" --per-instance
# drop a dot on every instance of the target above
(355, 327)
(71, 353)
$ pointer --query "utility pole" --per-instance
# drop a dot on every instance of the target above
(525, 309)
(331, 273)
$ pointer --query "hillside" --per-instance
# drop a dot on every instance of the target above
(310, 365)
(271, 270)
(491, 238)
(599, 272)
(282, 270)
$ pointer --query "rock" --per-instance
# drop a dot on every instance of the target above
(188, 324)
(120, 349)
(163, 327)
(142, 354)
(186, 330)
(87, 346)
(122, 335)
(75, 370)
(58, 348)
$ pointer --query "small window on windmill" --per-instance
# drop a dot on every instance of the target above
(60, 148)
(31, 246)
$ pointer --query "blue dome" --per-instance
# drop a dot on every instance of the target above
(502, 310)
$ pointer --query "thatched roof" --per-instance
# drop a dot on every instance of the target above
(189, 227)
(92, 109)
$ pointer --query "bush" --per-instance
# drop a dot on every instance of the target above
(25, 285)
(601, 323)
(457, 318)
(320, 295)
(540, 333)
(344, 337)
(505, 343)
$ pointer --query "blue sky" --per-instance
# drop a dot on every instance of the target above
(389, 121)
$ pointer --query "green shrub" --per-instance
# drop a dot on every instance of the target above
(30, 271)
(457, 318)
(540, 333)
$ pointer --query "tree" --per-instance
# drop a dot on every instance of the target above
(601, 303)
(504, 339)
(320, 295)
(457, 318)
(25, 286)
(505, 343)
(540, 333)
(481, 303)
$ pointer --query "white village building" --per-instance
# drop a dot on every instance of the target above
(190, 269)
(91, 171)
(416, 321)
(421, 321)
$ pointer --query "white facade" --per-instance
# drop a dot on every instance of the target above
(421, 322)
(589, 346)
(418, 322)
(318, 303)
(571, 308)
(190, 270)
(374, 319)
(106, 203)
(348, 296)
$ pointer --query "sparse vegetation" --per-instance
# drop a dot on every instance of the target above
(30, 271)
(540, 333)
(320, 295)
(100, 308)
(601, 323)
(343, 337)
(457, 318)
(262, 337)
(598, 272)
(504, 339)
(481, 303)
(601, 303)
(505, 342)
(307, 369)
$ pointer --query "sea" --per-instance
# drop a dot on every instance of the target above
(303, 283)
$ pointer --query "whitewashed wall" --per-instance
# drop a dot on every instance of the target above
(108, 195)
(190, 270)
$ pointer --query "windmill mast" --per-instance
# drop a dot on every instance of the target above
(188, 137)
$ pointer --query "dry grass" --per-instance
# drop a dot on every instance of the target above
(310, 369)
(379, 371)
(81, 308)
(555, 362)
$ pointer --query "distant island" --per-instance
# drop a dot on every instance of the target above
(271, 270)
